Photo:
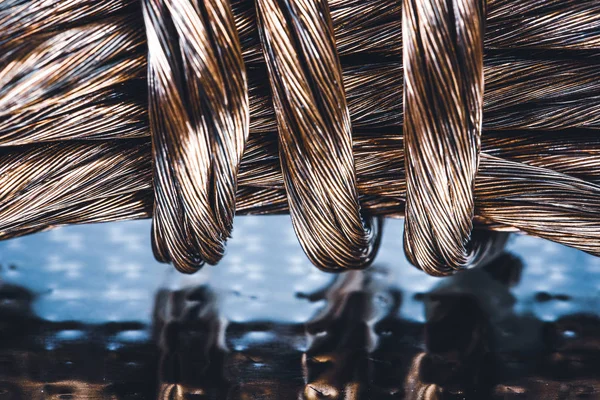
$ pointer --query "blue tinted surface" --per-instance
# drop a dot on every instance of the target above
(264, 322)
(106, 272)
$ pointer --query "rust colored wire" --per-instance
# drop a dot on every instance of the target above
(315, 134)
(443, 108)
(199, 117)
(116, 110)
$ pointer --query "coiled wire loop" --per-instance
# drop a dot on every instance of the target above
(199, 121)
(315, 135)
(443, 108)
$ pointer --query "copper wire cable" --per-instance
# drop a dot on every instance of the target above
(361, 26)
(22, 19)
(540, 92)
(373, 27)
(443, 107)
(548, 24)
(95, 101)
(80, 75)
(521, 93)
(102, 181)
(315, 137)
(199, 123)
(500, 183)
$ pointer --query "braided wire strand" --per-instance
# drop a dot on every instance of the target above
(97, 108)
(73, 95)
(199, 118)
(315, 138)
(443, 107)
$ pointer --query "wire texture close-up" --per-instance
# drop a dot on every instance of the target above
(469, 118)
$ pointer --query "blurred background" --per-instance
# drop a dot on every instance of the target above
(87, 313)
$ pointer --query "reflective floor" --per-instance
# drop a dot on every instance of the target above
(86, 313)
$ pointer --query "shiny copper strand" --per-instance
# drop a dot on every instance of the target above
(540, 165)
(199, 119)
(20, 20)
(315, 137)
(86, 182)
(443, 103)
(379, 161)
(99, 106)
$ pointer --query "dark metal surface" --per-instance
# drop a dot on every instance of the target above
(86, 313)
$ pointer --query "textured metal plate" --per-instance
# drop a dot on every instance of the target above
(86, 313)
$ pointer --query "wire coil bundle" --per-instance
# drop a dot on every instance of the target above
(338, 112)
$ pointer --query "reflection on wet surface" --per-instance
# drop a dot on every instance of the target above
(86, 313)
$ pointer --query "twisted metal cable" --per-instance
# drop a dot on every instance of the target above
(198, 103)
(443, 107)
(97, 68)
(540, 162)
(87, 182)
(374, 28)
(508, 177)
(548, 24)
(105, 100)
(21, 20)
(315, 138)
(540, 93)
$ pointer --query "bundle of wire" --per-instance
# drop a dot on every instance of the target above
(192, 111)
